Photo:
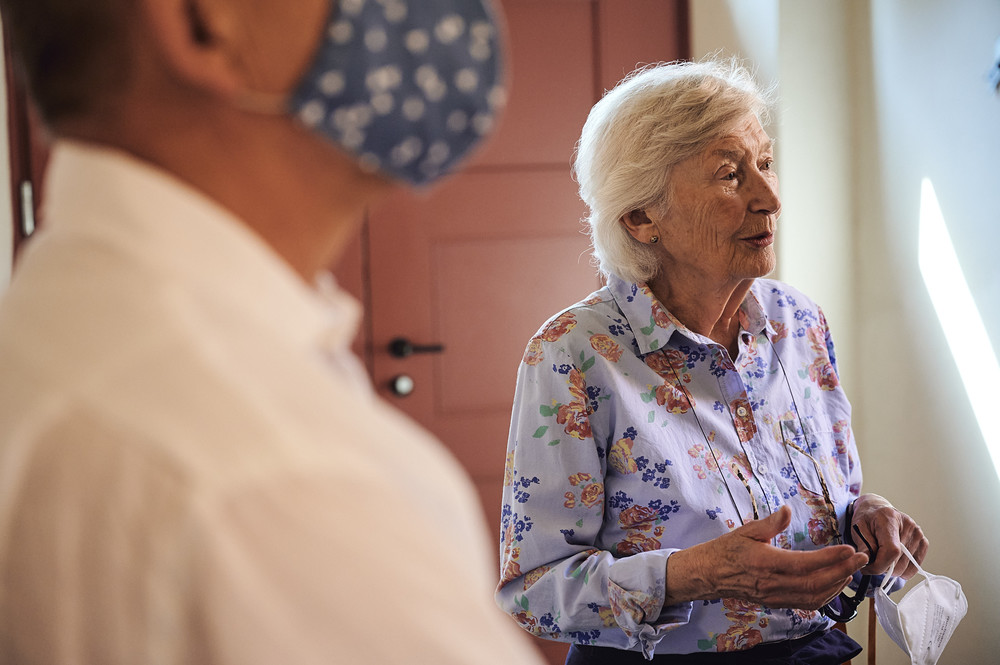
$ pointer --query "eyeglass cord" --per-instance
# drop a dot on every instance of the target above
(708, 442)
(827, 610)
(737, 472)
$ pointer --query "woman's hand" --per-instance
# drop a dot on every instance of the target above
(743, 564)
(886, 528)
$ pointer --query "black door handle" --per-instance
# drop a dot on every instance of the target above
(403, 348)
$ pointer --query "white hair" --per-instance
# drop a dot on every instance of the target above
(656, 117)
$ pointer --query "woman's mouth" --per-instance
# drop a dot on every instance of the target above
(761, 240)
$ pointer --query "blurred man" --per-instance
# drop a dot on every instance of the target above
(193, 468)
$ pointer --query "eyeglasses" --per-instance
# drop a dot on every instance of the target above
(753, 500)
(844, 607)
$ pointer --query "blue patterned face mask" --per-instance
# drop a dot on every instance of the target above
(407, 86)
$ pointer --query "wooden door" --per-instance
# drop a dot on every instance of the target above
(482, 261)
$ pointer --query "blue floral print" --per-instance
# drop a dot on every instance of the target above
(633, 437)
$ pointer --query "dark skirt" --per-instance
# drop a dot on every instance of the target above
(830, 647)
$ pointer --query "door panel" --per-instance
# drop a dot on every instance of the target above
(551, 82)
(481, 275)
(352, 274)
(508, 317)
(639, 32)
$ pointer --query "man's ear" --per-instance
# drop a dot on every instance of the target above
(639, 225)
(195, 40)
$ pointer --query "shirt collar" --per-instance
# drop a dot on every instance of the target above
(653, 325)
(193, 242)
(752, 316)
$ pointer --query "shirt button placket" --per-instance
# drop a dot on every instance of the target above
(735, 390)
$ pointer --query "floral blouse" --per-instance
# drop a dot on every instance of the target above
(633, 437)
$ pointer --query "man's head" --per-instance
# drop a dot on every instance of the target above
(407, 90)
(84, 58)
(259, 103)
(170, 82)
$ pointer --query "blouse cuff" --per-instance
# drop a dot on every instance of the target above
(641, 614)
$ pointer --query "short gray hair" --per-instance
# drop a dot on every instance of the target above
(656, 117)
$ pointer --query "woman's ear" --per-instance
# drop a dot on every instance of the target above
(195, 41)
(639, 226)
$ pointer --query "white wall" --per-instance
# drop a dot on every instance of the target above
(925, 109)
(875, 95)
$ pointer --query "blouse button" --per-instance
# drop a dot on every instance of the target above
(741, 412)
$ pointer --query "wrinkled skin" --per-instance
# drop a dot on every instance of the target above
(744, 564)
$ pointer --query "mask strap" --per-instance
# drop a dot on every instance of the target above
(262, 103)
(912, 560)
(253, 101)
(889, 578)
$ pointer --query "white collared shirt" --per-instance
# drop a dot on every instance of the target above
(194, 469)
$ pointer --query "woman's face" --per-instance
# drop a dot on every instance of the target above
(723, 206)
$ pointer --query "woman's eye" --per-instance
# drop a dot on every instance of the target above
(730, 176)
(767, 165)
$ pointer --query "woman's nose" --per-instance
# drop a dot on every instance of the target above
(765, 194)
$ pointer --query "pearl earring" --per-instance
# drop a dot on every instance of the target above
(654, 240)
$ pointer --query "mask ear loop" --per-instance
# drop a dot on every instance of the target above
(912, 560)
(889, 579)
(254, 101)
(262, 103)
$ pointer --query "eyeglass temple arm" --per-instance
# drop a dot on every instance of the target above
(857, 530)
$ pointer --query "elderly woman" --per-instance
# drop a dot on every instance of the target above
(681, 474)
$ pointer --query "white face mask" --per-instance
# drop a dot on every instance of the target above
(924, 620)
